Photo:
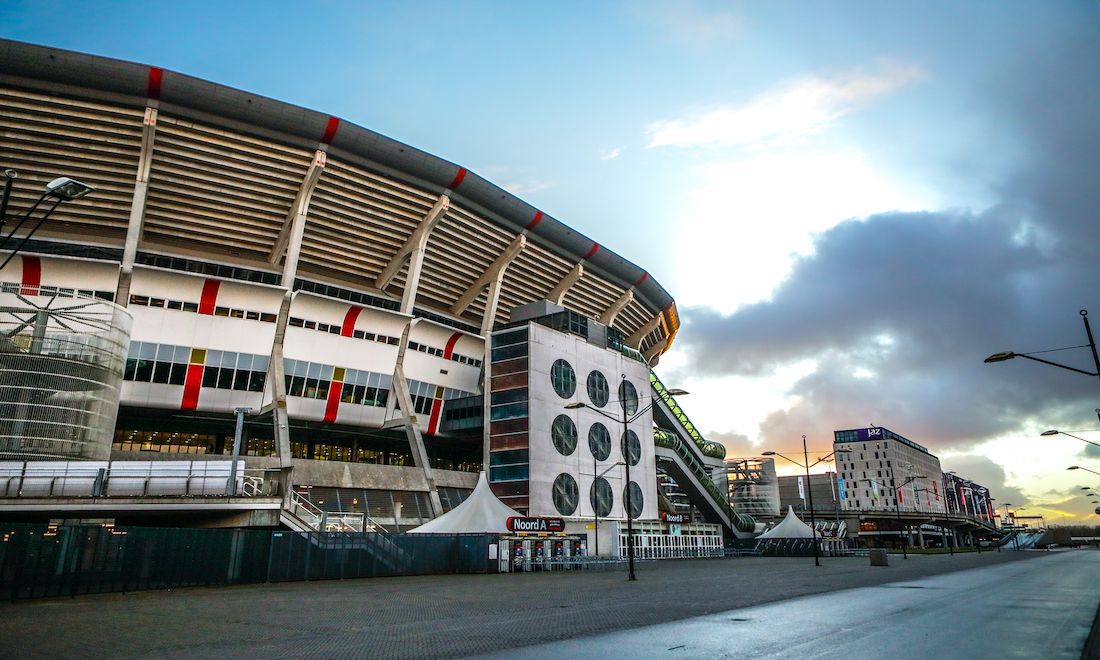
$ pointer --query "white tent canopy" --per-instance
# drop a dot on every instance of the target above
(790, 528)
(481, 513)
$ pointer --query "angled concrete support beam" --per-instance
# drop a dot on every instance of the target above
(653, 353)
(137, 206)
(635, 340)
(612, 312)
(403, 400)
(492, 278)
(290, 236)
(276, 382)
(566, 283)
(413, 251)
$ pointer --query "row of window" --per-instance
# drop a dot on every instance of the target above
(566, 496)
(334, 329)
(439, 352)
(166, 364)
(147, 301)
(564, 381)
(63, 292)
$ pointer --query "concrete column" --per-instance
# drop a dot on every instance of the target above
(137, 207)
(413, 251)
(635, 340)
(612, 312)
(289, 240)
(493, 277)
(403, 399)
(558, 293)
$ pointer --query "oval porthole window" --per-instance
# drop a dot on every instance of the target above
(599, 441)
(635, 499)
(565, 494)
(598, 392)
(632, 448)
(628, 395)
(563, 379)
(601, 497)
(564, 433)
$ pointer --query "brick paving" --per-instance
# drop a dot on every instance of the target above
(442, 616)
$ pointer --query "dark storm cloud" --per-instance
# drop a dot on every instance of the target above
(898, 310)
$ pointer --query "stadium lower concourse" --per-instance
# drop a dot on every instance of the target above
(366, 325)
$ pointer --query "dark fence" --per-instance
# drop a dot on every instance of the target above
(38, 561)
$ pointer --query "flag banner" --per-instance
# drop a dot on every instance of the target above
(874, 490)
(840, 485)
(801, 489)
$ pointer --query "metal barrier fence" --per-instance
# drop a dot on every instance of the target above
(39, 561)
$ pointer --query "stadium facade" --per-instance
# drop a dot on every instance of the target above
(391, 322)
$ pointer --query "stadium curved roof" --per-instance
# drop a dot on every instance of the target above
(226, 166)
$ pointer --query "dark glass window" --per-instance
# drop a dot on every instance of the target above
(628, 395)
(563, 378)
(511, 337)
(636, 500)
(178, 375)
(564, 433)
(601, 497)
(509, 352)
(161, 372)
(210, 377)
(631, 447)
(565, 494)
(598, 392)
(510, 473)
(508, 396)
(599, 441)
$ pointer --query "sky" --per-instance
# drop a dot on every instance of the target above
(853, 203)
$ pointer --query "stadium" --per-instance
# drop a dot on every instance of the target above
(372, 326)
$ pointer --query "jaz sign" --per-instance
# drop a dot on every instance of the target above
(676, 517)
(516, 524)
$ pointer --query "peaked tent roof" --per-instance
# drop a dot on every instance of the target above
(481, 513)
(790, 528)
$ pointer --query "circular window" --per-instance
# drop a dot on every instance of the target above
(633, 494)
(565, 494)
(632, 448)
(564, 433)
(629, 397)
(598, 391)
(601, 497)
(563, 378)
(599, 441)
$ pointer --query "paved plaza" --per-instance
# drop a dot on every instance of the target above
(434, 616)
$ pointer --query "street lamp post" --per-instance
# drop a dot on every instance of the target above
(897, 509)
(1008, 355)
(809, 491)
(626, 420)
(62, 189)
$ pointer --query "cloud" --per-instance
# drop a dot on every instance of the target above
(897, 310)
(737, 444)
(986, 472)
(787, 111)
(690, 22)
(526, 187)
(608, 154)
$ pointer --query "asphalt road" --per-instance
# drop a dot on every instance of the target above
(448, 616)
(1035, 609)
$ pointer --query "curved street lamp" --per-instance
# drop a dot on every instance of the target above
(63, 189)
(1008, 355)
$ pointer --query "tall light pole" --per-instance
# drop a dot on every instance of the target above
(809, 491)
(62, 189)
(596, 509)
(626, 420)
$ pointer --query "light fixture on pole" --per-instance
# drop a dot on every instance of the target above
(627, 454)
(1056, 432)
(63, 189)
(810, 491)
(1008, 355)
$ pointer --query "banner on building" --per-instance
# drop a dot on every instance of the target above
(801, 489)
(874, 490)
(840, 485)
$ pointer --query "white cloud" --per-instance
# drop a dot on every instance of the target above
(608, 154)
(526, 187)
(689, 22)
(783, 113)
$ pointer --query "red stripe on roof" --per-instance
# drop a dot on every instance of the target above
(458, 179)
(330, 130)
(191, 383)
(209, 296)
(152, 87)
(642, 279)
(348, 327)
(32, 275)
(592, 252)
(535, 222)
(449, 349)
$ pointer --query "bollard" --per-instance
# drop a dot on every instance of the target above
(878, 557)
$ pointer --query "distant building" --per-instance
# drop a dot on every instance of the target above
(878, 468)
(753, 486)
(962, 495)
(824, 490)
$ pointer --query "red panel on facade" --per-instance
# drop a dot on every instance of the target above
(191, 385)
(348, 327)
(209, 297)
(449, 350)
(592, 252)
(32, 275)
(330, 130)
(335, 391)
(152, 87)
(458, 179)
(433, 423)
(534, 222)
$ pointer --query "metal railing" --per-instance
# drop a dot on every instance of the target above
(326, 521)
(80, 479)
